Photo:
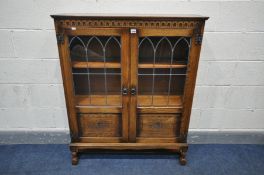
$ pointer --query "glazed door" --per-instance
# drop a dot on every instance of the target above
(159, 61)
(99, 69)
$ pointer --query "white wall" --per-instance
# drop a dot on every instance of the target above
(230, 87)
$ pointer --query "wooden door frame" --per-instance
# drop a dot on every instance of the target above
(67, 84)
(66, 70)
(133, 83)
(190, 81)
(134, 41)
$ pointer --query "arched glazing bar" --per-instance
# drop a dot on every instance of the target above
(102, 43)
(78, 38)
(171, 48)
(147, 48)
(95, 38)
(86, 58)
(114, 39)
(147, 40)
(170, 76)
(156, 48)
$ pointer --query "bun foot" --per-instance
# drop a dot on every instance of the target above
(182, 159)
(75, 158)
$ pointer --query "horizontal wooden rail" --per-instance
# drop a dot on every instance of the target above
(79, 64)
(162, 65)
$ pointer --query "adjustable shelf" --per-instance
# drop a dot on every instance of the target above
(160, 100)
(98, 100)
(83, 64)
(147, 65)
(116, 99)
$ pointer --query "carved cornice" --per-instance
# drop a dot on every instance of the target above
(82, 23)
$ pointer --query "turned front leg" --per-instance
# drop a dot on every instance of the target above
(75, 157)
(182, 159)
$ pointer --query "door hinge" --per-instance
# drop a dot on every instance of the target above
(198, 39)
(60, 38)
(198, 33)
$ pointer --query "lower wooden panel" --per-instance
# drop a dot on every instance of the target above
(100, 125)
(158, 125)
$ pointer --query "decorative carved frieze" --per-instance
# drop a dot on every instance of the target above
(127, 23)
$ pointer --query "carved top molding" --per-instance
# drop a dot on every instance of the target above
(128, 16)
(82, 23)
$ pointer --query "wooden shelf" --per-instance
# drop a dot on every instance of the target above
(148, 65)
(160, 100)
(116, 100)
(78, 64)
(98, 100)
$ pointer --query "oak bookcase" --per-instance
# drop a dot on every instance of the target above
(129, 80)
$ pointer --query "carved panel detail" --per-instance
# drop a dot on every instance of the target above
(83, 23)
(158, 125)
(100, 125)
